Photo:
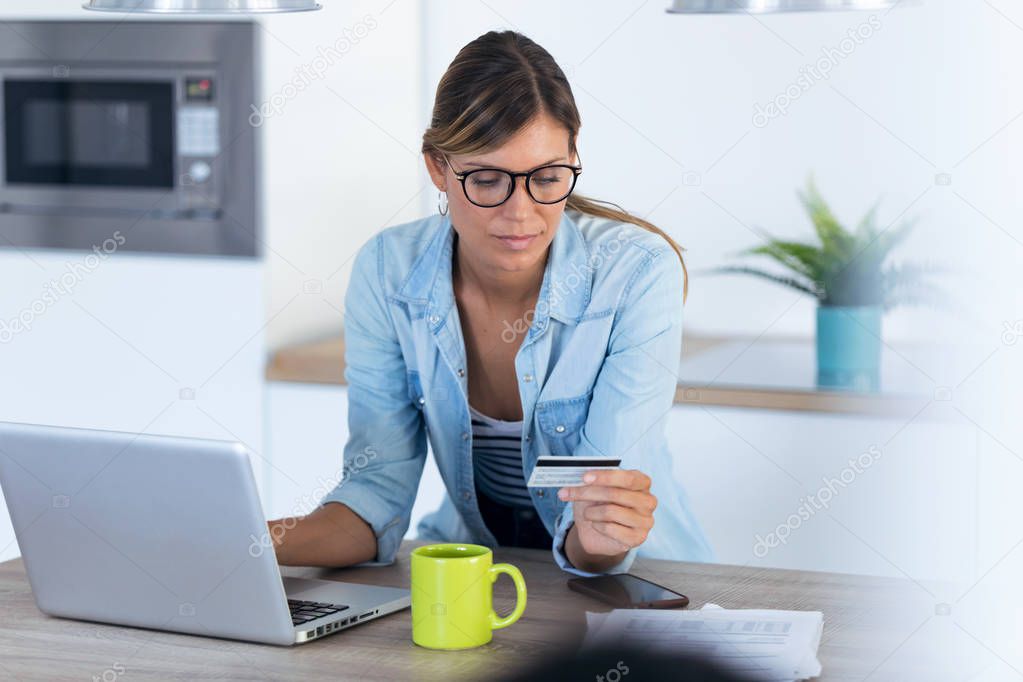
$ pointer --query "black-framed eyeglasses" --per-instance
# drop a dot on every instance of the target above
(491, 187)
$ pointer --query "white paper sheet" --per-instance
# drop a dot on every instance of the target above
(769, 645)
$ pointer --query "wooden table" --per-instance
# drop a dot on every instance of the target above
(866, 619)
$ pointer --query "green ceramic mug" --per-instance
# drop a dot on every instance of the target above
(452, 596)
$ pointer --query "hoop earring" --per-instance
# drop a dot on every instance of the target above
(442, 203)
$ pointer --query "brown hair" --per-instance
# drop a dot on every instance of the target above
(496, 85)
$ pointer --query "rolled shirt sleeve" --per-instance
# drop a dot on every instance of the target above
(635, 388)
(386, 447)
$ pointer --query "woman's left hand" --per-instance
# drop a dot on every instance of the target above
(613, 511)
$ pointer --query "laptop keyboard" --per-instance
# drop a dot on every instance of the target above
(305, 611)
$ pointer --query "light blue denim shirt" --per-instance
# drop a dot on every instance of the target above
(597, 373)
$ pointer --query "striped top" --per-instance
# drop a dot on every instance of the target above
(497, 460)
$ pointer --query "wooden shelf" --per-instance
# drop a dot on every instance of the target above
(322, 362)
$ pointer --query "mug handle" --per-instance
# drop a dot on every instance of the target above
(496, 622)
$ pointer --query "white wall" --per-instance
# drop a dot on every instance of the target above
(925, 93)
(340, 157)
(665, 95)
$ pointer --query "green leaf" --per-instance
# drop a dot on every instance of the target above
(790, 282)
(835, 240)
(847, 267)
(804, 259)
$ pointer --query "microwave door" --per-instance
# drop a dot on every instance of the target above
(102, 134)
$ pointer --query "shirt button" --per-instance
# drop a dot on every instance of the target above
(527, 377)
(461, 372)
(560, 428)
(529, 438)
(422, 401)
(539, 493)
(466, 495)
(465, 436)
(434, 319)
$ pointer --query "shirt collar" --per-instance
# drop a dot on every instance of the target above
(564, 293)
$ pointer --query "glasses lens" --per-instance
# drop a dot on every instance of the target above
(487, 187)
(551, 184)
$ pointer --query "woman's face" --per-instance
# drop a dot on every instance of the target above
(515, 235)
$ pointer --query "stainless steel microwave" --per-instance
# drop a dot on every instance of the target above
(136, 127)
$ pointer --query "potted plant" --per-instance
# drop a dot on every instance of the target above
(848, 273)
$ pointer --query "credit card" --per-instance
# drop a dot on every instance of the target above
(559, 472)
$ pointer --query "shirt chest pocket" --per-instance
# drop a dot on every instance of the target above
(561, 422)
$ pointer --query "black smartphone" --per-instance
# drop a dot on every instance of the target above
(627, 591)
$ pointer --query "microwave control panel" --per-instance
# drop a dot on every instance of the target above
(197, 137)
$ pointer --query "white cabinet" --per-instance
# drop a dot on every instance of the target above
(777, 488)
(905, 507)
(156, 344)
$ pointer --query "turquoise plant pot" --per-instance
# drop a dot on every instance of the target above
(849, 347)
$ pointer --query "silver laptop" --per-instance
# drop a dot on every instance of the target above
(162, 532)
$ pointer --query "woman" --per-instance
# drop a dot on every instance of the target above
(520, 321)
